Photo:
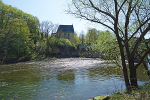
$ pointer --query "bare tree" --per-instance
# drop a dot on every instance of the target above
(47, 27)
(55, 28)
(127, 19)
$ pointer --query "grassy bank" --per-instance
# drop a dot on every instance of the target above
(142, 93)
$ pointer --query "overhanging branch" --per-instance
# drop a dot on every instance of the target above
(137, 30)
(142, 58)
(103, 12)
(140, 39)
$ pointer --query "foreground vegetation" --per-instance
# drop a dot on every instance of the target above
(142, 93)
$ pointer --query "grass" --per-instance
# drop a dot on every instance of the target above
(100, 97)
(142, 93)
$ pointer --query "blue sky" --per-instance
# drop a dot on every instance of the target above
(51, 10)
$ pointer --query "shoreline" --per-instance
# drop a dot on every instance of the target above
(40, 58)
(141, 93)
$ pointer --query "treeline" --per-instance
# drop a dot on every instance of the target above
(18, 33)
(22, 36)
(101, 44)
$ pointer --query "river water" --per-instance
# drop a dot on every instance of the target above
(61, 79)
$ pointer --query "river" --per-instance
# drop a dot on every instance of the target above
(61, 79)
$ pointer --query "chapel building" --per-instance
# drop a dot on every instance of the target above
(65, 31)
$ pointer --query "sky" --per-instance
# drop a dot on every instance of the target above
(51, 10)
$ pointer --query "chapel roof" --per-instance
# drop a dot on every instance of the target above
(66, 28)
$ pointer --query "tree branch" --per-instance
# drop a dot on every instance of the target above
(137, 30)
(140, 39)
(121, 5)
(142, 59)
(103, 12)
(97, 21)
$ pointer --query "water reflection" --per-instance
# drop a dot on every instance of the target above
(17, 80)
(104, 73)
(141, 73)
(19, 73)
(67, 75)
(110, 72)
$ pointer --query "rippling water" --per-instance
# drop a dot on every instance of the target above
(61, 79)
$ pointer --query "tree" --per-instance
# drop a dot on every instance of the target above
(2, 42)
(17, 41)
(106, 46)
(76, 39)
(91, 36)
(47, 27)
(41, 47)
(125, 18)
(11, 15)
(7, 12)
(82, 37)
(60, 42)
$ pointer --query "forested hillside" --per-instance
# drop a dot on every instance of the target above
(18, 33)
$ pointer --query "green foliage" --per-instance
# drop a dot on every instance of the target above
(76, 39)
(81, 38)
(61, 42)
(18, 32)
(106, 45)
(7, 12)
(16, 39)
(64, 42)
(41, 47)
(100, 97)
(91, 36)
(53, 42)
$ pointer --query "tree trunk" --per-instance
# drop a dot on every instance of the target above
(125, 72)
(133, 77)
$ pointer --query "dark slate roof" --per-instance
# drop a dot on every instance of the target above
(66, 28)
